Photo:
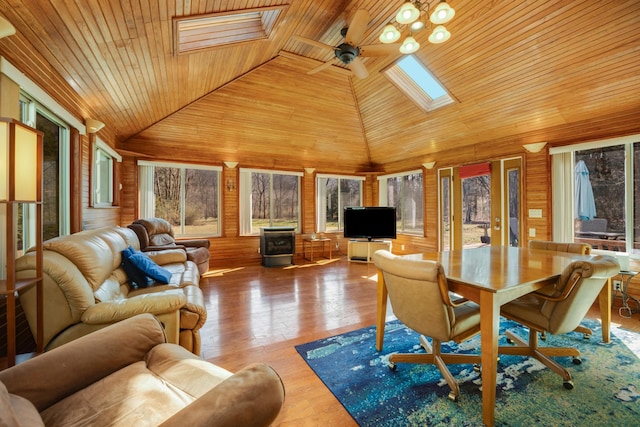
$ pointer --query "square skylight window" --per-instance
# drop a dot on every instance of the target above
(194, 33)
(416, 81)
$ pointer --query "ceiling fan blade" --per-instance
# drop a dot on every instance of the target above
(314, 43)
(380, 49)
(358, 68)
(320, 67)
(357, 27)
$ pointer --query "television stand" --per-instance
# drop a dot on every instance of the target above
(363, 250)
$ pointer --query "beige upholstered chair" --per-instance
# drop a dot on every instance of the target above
(558, 310)
(420, 299)
(574, 248)
(156, 234)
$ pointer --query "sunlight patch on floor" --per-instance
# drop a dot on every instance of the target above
(221, 272)
(313, 264)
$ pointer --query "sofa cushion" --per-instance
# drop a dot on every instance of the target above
(137, 277)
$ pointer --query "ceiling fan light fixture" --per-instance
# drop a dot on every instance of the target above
(443, 13)
(409, 45)
(390, 34)
(407, 14)
(417, 25)
(439, 35)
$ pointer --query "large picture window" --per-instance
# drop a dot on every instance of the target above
(188, 196)
(334, 193)
(405, 193)
(268, 199)
(596, 194)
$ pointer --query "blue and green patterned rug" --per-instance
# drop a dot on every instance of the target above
(606, 383)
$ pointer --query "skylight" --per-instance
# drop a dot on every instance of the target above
(193, 33)
(414, 80)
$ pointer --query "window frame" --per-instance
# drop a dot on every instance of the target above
(146, 195)
(321, 201)
(562, 185)
(246, 212)
(100, 148)
(383, 199)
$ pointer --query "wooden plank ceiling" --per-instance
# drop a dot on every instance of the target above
(561, 71)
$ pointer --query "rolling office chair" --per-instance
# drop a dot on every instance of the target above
(574, 248)
(558, 312)
(420, 299)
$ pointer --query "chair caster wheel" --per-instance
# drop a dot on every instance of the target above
(510, 341)
(393, 366)
(577, 361)
(586, 336)
(476, 367)
(543, 336)
(568, 385)
(453, 397)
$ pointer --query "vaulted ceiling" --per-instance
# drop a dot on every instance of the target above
(520, 72)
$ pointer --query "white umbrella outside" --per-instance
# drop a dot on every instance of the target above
(585, 206)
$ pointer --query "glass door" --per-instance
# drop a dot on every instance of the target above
(486, 202)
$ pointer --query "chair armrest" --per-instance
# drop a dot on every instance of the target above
(114, 311)
(56, 374)
(195, 243)
(252, 396)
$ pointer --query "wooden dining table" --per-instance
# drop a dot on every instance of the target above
(492, 276)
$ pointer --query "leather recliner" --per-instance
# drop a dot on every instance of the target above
(157, 234)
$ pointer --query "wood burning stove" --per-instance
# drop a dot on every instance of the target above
(277, 245)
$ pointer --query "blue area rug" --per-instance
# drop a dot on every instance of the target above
(606, 389)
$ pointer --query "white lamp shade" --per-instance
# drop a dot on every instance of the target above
(409, 45)
(442, 14)
(439, 35)
(407, 13)
(390, 34)
(22, 146)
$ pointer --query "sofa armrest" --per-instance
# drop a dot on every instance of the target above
(251, 397)
(151, 248)
(56, 374)
(114, 311)
(195, 243)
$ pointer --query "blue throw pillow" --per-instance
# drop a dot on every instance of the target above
(136, 277)
(149, 268)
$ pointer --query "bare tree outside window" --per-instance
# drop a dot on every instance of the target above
(405, 194)
(274, 200)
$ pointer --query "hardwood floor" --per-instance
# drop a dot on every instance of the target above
(258, 314)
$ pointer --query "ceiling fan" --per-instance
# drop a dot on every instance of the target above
(349, 52)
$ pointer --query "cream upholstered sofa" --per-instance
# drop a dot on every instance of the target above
(126, 375)
(86, 289)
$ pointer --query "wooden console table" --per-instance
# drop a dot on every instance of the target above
(311, 242)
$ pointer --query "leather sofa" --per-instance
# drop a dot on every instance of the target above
(156, 234)
(127, 375)
(86, 289)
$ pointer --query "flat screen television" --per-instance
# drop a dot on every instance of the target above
(370, 222)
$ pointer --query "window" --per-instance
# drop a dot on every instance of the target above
(56, 192)
(103, 173)
(404, 192)
(188, 196)
(268, 199)
(334, 193)
(416, 81)
(595, 194)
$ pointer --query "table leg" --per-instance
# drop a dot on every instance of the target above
(604, 300)
(489, 331)
(381, 311)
